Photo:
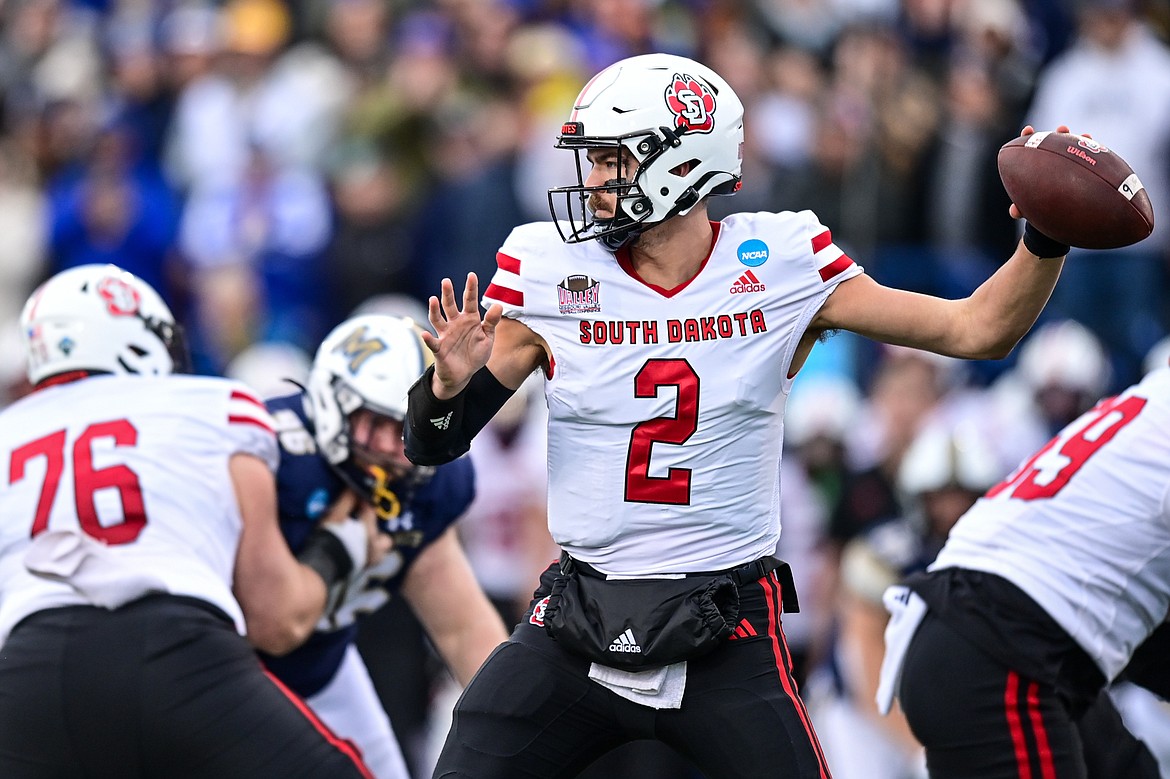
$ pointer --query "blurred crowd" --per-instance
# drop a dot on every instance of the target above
(271, 167)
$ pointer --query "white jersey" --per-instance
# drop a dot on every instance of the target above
(666, 407)
(134, 469)
(1083, 526)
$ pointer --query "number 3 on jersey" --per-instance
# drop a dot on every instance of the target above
(1046, 472)
(87, 480)
(675, 487)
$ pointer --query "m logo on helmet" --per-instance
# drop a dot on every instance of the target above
(121, 298)
(692, 102)
(357, 348)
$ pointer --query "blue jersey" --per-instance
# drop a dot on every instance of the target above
(415, 516)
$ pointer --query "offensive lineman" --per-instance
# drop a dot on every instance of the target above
(341, 440)
(1055, 583)
(670, 344)
(138, 541)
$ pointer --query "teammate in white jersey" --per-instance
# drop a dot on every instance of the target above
(1046, 590)
(138, 542)
(669, 344)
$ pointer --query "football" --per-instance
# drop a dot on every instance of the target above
(1075, 190)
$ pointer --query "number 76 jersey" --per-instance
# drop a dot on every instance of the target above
(666, 406)
(112, 487)
(1083, 525)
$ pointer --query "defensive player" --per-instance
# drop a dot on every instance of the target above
(342, 437)
(670, 344)
(1045, 590)
(138, 541)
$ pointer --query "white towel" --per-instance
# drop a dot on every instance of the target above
(906, 612)
(658, 688)
(88, 566)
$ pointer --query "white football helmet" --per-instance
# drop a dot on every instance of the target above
(100, 319)
(368, 361)
(1068, 355)
(946, 453)
(663, 111)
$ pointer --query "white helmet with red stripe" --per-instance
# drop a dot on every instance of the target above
(100, 319)
(677, 118)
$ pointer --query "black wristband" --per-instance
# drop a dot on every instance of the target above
(438, 431)
(432, 425)
(325, 553)
(1041, 245)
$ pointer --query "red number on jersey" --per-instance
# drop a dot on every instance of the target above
(1078, 446)
(675, 487)
(86, 481)
(52, 448)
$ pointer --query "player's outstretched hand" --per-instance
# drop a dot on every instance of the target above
(463, 341)
(1028, 130)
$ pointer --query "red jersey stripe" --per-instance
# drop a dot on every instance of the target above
(507, 262)
(510, 296)
(248, 397)
(239, 419)
(1011, 700)
(784, 666)
(821, 241)
(835, 267)
(1043, 747)
(343, 745)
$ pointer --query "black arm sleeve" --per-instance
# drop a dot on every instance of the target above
(438, 431)
(326, 554)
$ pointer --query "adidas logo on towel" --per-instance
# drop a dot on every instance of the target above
(443, 421)
(625, 643)
(748, 282)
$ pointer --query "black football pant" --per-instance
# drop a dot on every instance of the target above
(979, 719)
(162, 687)
(532, 711)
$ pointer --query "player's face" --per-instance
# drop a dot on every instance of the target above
(606, 168)
(377, 440)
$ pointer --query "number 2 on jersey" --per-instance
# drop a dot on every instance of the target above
(86, 480)
(675, 487)
(1076, 447)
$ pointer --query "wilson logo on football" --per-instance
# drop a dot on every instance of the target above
(579, 294)
(747, 283)
(692, 102)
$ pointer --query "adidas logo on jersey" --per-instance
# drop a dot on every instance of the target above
(443, 421)
(747, 283)
(625, 643)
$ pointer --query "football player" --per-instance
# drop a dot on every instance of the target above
(342, 436)
(1053, 584)
(138, 542)
(670, 343)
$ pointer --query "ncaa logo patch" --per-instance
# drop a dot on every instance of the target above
(317, 502)
(753, 252)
